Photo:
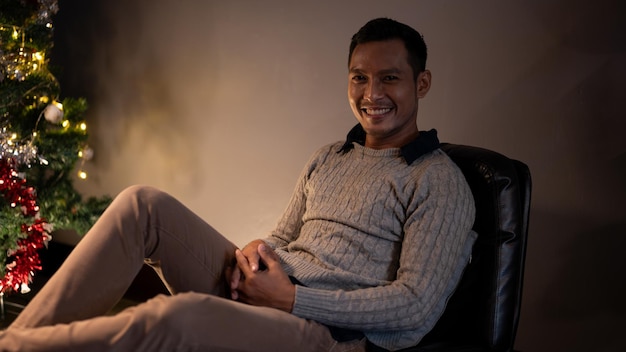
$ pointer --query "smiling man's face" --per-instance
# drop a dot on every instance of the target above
(384, 93)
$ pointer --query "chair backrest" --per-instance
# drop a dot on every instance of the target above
(483, 313)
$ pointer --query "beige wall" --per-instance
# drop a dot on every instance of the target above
(221, 103)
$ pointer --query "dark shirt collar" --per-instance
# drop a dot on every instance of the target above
(425, 143)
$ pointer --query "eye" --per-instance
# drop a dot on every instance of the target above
(358, 78)
(390, 78)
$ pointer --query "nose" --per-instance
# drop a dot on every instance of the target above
(373, 90)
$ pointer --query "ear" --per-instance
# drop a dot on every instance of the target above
(423, 83)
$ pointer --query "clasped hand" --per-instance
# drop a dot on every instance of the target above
(258, 278)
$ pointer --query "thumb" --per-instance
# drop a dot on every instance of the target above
(268, 255)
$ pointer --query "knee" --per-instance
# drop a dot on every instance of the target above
(173, 314)
(145, 197)
(140, 192)
(163, 322)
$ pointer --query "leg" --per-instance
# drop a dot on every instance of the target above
(140, 223)
(184, 322)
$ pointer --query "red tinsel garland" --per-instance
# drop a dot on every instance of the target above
(23, 261)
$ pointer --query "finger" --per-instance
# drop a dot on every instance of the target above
(268, 256)
(233, 275)
(251, 253)
(242, 263)
(235, 278)
(253, 260)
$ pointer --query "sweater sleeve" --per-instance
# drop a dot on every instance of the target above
(436, 247)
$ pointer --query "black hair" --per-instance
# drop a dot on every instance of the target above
(382, 29)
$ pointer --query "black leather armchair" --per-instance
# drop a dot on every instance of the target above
(483, 313)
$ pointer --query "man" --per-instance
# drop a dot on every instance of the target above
(370, 247)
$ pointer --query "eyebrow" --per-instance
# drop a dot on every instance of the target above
(381, 72)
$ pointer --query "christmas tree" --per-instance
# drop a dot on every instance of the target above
(43, 141)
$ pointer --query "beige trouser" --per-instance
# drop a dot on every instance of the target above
(191, 257)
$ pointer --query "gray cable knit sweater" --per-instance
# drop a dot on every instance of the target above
(379, 244)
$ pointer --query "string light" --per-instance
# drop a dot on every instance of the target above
(84, 154)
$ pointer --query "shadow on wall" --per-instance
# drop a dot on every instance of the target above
(592, 281)
(575, 280)
(588, 26)
(577, 303)
(115, 53)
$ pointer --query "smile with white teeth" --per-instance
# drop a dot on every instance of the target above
(378, 111)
